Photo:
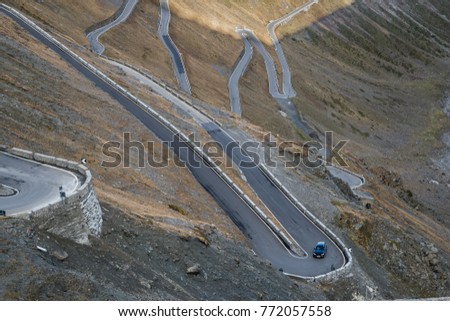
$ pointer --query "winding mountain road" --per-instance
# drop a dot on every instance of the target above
(274, 89)
(94, 35)
(163, 34)
(177, 59)
(288, 90)
(292, 218)
(353, 180)
(249, 39)
(238, 71)
(36, 185)
(262, 239)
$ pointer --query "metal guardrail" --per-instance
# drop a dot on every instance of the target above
(316, 222)
(94, 32)
(200, 152)
(363, 180)
(165, 87)
(108, 20)
(59, 163)
(286, 240)
(271, 177)
(162, 120)
(179, 75)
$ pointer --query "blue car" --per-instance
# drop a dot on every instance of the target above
(320, 250)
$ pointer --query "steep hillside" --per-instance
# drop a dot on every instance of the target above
(69, 18)
(376, 73)
(223, 16)
(373, 72)
(69, 121)
(157, 224)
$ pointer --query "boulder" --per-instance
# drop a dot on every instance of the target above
(60, 255)
(194, 270)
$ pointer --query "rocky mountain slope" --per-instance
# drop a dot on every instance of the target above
(157, 224)
(374, 72)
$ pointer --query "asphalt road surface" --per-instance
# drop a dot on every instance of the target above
(288, 90)
(262, 240)
(93, 36)
(37, 185)
(270, 65)
(238, 71)
(249, 39)
(292, 219)
(177, 59)
(352, 180)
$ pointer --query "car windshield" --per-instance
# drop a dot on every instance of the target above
(319, 247)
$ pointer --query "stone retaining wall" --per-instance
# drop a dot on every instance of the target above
(76, 216)
(176, 131)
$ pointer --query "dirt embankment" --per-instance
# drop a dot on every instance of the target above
(163, 227)
(375, 73)
(372, 72)
(136, 260)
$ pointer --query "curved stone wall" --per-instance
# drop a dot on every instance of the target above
(76, 216)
